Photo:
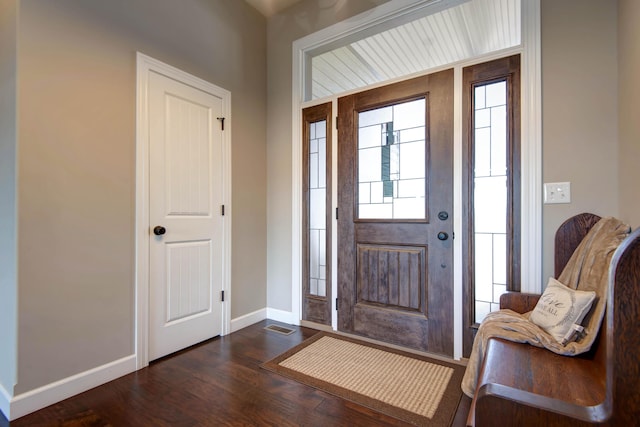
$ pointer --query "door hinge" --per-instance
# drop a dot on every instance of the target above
(222, 210)
(336, 213)
(336, 304)
(221, 122)
(336, 122)
(222, 296)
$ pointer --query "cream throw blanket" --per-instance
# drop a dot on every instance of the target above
(587, 270)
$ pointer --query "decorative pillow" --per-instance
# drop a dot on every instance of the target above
(560, 311)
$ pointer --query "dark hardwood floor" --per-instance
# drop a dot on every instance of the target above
(218, 382)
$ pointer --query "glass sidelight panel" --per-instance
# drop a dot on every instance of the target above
(392, 161)
(317, 208)
(490, 188)
(490, 195)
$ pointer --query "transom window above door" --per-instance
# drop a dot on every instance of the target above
(447, 32)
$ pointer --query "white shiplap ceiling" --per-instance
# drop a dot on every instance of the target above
(465, 31)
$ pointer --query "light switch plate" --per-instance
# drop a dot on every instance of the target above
(557, 192)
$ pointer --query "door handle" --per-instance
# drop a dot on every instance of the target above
(442, 236)
(159, 230)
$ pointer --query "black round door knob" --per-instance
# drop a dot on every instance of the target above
(442, 236)
(159, 230)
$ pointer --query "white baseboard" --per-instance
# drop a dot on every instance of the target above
(49, 394)
(31, 401)
(281, 316)
(5, 402)
(248, 319)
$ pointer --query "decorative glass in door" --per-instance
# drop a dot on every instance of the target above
(391, 161)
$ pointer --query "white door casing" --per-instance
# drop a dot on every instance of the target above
(183, 174)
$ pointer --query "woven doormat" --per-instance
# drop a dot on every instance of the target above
(413, 388)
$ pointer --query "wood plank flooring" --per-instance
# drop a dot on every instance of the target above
(215, 383)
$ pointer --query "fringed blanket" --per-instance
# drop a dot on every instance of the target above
(587, 270)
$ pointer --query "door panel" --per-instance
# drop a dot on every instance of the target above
(188, 270)
(391, 275)
(185, 181)
(395, 275)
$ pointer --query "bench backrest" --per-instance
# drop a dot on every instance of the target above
(617, 348)
(568, 237)
(622, 322)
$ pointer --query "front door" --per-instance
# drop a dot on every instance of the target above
(185, 194)
(395, 228)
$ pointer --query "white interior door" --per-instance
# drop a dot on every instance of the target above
(185, 218)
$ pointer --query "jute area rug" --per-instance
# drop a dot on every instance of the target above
(412, 388)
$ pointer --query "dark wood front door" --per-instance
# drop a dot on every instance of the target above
(395, 225)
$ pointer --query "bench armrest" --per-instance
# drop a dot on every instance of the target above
(508, 406)
(518, 301)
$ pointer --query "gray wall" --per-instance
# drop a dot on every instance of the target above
(629, 109)
(76, 189)
(8, 215)
(579, 110)
(300, 20)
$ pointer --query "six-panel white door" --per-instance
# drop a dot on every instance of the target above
(185, 184)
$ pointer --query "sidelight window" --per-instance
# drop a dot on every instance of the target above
(492, 185)
(318, 208)
(489, 195)
(316, 214)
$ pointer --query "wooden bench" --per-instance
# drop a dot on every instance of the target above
(522, 385)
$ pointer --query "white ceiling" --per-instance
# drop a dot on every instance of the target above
(271, 7)
(468, 30)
